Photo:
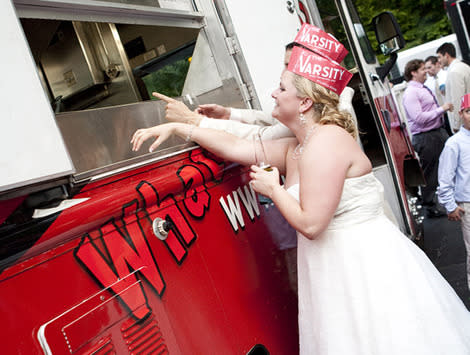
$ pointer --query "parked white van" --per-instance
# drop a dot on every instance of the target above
(420, 52)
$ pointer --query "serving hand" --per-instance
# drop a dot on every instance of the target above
(177, 111)
(214, 111)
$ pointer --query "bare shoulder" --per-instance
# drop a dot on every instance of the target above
(338, 151)
(332, 135)
(336, 141)
(332, 141)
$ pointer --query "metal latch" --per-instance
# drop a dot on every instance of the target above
(290, 7)
(246, 92)
(363, 92)
(161, 228)
(231, 45)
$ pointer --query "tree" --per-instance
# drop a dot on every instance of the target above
(420, 20)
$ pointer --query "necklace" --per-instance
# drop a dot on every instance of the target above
(300, 147)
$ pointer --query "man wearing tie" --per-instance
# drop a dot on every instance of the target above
(426, 122)
(436, 81)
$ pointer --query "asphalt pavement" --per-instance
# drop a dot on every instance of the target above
(444, 245)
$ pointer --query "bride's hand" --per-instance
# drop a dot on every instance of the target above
(263, 181)
(161, 133)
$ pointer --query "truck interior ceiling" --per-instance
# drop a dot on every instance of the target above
(99, 78)
(85, 65)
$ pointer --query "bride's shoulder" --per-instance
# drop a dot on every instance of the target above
(332, 132)
(333, 138)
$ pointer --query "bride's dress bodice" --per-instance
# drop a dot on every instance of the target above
(361, 200)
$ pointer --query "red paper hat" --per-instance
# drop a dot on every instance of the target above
(465, 102)
(319, 69)
(321, 42)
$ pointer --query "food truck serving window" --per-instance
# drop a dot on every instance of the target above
(98, 77)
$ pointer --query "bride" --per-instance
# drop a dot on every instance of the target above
(364, 288)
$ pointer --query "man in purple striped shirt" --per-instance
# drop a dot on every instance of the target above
(425, 118)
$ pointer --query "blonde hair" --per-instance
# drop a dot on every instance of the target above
(325, 105)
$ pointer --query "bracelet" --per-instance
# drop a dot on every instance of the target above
(190, 133)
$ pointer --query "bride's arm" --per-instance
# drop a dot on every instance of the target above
(220, 143)
(322, 170)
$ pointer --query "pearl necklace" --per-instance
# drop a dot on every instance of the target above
(299, 149)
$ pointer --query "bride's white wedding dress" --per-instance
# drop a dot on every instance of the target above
(366, 289)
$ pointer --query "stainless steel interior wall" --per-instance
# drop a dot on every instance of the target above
(98, 140)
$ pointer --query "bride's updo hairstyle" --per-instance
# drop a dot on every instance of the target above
(317, 75)
(325, 105)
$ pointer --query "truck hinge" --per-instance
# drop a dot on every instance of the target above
(246, 92)
(363, 92)
(203, 23)
(232, 45)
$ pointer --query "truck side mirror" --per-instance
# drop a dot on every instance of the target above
(388, 33)
(390, 39)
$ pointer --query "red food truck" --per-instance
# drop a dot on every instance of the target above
(108, 251)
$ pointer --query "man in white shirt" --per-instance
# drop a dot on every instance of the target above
(436, 78)
(436, 82)
(458, 80)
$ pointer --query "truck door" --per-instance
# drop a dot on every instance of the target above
(32, 149)
(398, 151)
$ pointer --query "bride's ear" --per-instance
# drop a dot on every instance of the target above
(306, 104)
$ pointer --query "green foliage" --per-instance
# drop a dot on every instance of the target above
(169, 80)
(333, 25)
(420, 20)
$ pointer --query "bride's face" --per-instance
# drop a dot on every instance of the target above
(287, 103)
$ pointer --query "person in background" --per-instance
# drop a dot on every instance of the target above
(458, 80)
(436, 82)
(426, 122)
(436, 78)
(361, 281)
(454, 177)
